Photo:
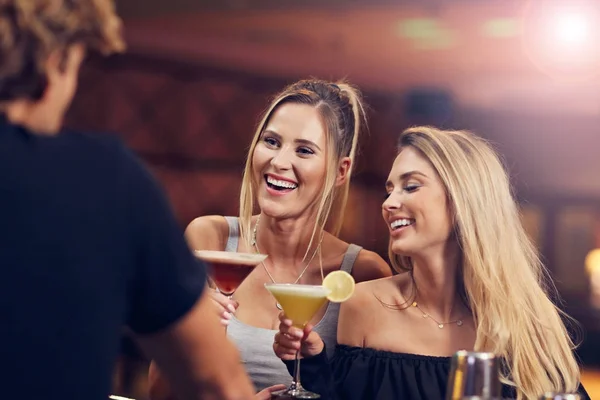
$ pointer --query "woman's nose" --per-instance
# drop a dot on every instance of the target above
(281, 160)
(391, 203)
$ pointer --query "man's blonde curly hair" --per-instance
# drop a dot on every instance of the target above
(31, 30)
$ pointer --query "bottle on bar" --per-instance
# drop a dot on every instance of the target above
(474, 376)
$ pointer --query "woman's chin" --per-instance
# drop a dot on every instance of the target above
(276, 211)
(402, 249)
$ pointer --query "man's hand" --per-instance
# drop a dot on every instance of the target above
(265, 394)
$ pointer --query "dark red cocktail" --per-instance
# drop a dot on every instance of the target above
(228, 269)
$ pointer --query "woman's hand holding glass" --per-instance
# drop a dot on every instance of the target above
(226, 306)
(291, 339)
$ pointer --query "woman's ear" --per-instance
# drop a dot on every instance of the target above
(343, 172)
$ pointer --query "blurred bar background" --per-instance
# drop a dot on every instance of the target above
(524, 74)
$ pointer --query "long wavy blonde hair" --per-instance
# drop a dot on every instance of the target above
(503, 280)
(341, 110)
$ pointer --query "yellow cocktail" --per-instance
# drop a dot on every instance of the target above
(299, 302)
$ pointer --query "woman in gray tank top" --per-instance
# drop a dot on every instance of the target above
(297, 174)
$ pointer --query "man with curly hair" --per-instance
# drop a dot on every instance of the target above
(88, 243)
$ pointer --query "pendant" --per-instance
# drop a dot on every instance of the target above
(459, 322)
(441, 326)
(278, 306)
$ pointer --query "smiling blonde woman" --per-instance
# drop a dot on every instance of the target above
(297, 177)
(469, 278)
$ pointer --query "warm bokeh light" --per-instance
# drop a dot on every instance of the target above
(592, 262)
(592, 267)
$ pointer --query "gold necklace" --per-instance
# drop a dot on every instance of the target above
(458, 322)
(254, 242)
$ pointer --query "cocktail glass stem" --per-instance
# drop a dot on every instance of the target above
(296, 378)
(228, 295)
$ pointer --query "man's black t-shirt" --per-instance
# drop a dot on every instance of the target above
(88, 244)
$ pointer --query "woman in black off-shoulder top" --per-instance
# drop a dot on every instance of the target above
(357, 373)
(468, 278)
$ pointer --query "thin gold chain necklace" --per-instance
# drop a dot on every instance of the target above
(255, 244)
(458, 322)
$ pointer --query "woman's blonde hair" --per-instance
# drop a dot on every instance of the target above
(503, 280)
(31, 30)
(341, 110)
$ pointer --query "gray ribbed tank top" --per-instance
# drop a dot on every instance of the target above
(256, 344)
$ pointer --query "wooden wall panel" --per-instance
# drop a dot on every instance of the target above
(192, 127)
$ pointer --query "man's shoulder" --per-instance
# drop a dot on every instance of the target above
(100, 154)
(96, 142)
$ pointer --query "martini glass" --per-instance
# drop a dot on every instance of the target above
(300, 303)
(229, 269)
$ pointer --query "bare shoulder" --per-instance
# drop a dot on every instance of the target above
(360, 311)
(208, 232)
(369, 265)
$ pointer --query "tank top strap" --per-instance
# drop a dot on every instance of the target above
(234, 234)
(350, 258)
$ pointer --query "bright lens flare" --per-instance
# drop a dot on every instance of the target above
(572, 29)
(561, 38)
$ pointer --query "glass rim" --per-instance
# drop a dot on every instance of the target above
(226, 257)
(293, 284)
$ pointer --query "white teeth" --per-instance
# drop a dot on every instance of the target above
(281, 184)
(401, 222)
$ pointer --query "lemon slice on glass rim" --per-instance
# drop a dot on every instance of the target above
(340, 285)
